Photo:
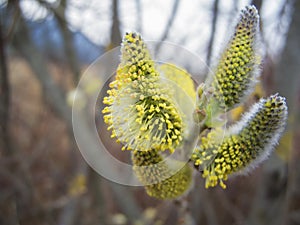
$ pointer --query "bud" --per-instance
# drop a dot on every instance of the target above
(245, 145)
(162, 180)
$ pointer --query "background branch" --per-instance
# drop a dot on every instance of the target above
(169, 24)
(212, 33)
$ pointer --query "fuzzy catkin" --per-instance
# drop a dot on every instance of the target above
(140, 108)
(235, 74)
(245, 145)
(161, 180)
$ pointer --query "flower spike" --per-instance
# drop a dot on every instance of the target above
(141, 111)
(236, 71)
(246, 144)
(161, 180)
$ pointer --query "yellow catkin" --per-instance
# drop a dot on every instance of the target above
(245, 145)
(141, 110)
(235, 74)
(160, 180)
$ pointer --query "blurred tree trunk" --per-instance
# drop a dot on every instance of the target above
(139, 17)
(115, 34)
(212, 32)
(288, 84)
(278, 195)
(54, 95)
(168, 26)
(67, 37)
(8, 203)
(288, 72)
(170, 20)
(4, 96)
(293, 192)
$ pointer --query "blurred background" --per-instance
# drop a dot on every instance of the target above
(46, 45)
